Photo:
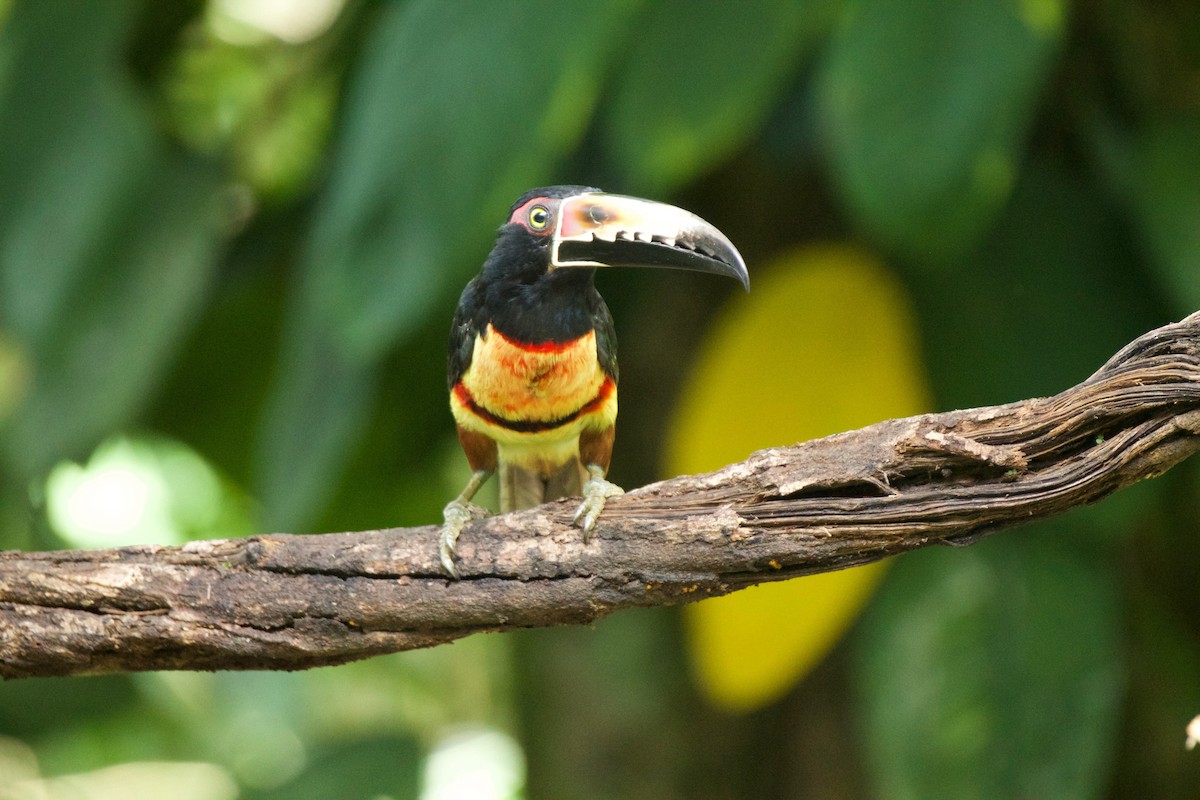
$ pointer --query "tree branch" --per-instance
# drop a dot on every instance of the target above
(292, 602)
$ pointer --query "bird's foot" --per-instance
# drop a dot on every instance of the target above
(456, 515)
(595, 494)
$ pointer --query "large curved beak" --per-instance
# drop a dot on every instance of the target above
(611, 230)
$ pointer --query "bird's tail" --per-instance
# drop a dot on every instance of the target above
(521, 487)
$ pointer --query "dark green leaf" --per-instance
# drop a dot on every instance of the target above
(697, 82)
(384, 766)
(138, 291)
(926, 107)
(33, 709)
(214, 395)
(1041, 303)
(396, 474)
(1165, 184)
(1158, 570)
(106, 242)
(74, 149)
(320, 404)
(994, 671)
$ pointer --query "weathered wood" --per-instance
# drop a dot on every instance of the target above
(293, 602)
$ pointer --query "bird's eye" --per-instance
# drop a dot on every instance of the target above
(539, 218)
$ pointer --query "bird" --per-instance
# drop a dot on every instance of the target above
(531, 359)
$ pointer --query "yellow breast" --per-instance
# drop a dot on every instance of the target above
(534, 395)
(520, 382)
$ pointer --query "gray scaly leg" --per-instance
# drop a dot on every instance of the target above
(457, 514)
(596, 492)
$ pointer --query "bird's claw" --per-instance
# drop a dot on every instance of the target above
(456, 515)
(595, 494)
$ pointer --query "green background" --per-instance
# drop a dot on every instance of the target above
(226, 250)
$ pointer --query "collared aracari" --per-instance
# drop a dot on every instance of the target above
(532, 356)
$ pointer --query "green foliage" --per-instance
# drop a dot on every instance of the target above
(353, 769)
(107, 241)
(1166, 200)
(677, 110)
(220, 243)
(993, 672)
(927, 107)
(1053, 272)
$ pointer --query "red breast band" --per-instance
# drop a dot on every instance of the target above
(538, 347)
(534, 426)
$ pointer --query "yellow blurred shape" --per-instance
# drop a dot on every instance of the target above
(825, 341)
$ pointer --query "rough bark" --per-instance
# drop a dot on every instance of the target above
(292, 602)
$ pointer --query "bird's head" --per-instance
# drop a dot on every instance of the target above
(570, 227)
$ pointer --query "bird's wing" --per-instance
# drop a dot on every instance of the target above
(606, 338)
(463, 329)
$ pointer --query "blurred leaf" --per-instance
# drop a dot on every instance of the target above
(410, 462)
(825, 342)
(602, 714)
(926, 108)
(319, 406)
(698, 81)
(140, 294)
(16, 526)
(38, 708)
(141, 490)
(73, 144)
(1164, 688)
(1165, 180)
(106, 242)
(1041, 303)
(455, 111)
(247, 305)
(269, 106)
(992, 671)
(363, 769)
